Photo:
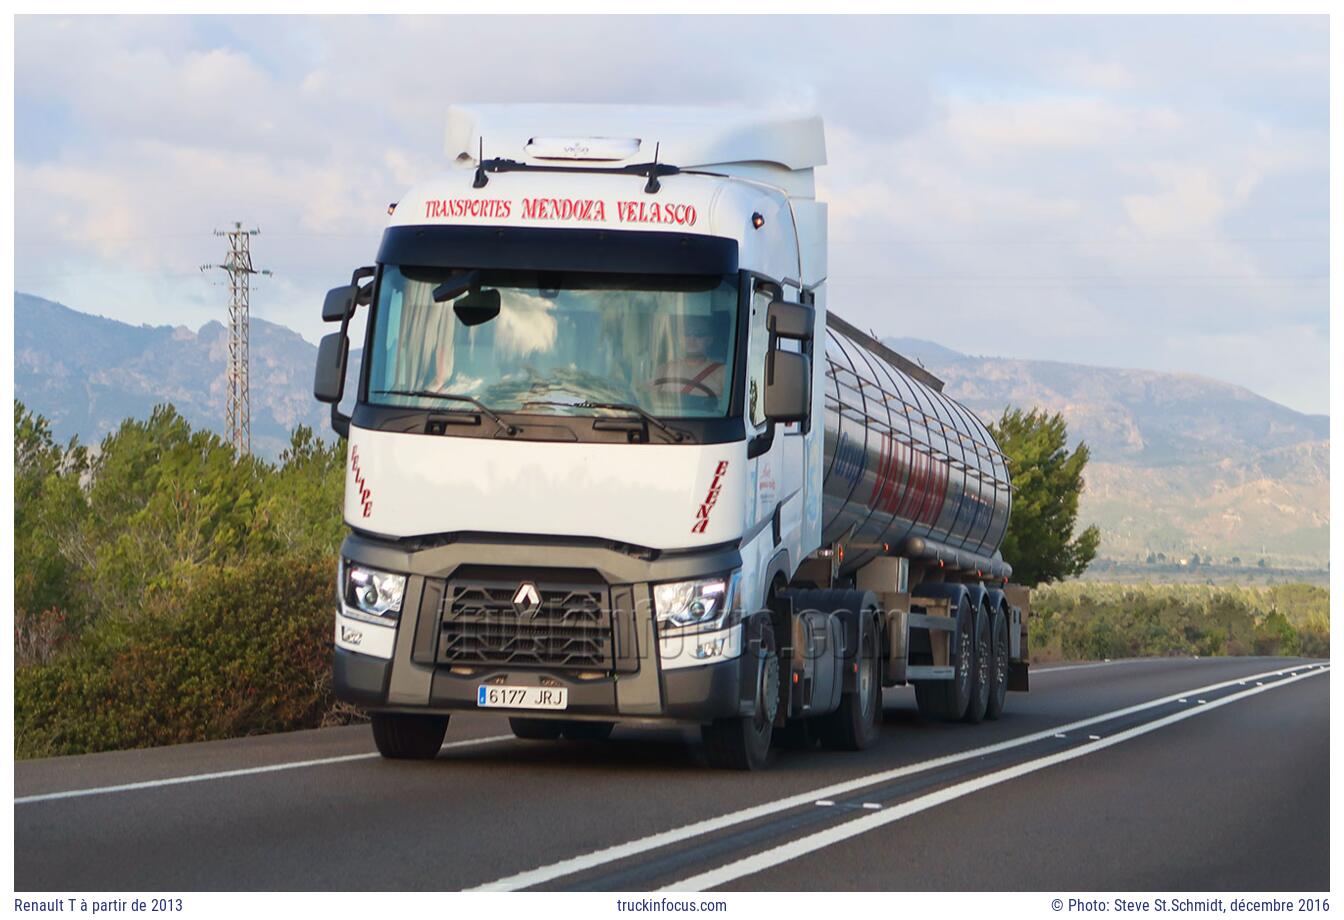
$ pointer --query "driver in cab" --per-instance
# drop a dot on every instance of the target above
(697, 369)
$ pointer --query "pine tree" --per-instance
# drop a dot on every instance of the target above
(1047, 481)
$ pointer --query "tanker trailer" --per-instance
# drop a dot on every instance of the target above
(611, 457)
(917, 492)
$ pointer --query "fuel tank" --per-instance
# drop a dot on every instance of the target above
(908, 469)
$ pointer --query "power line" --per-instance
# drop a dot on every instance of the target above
(238, 265)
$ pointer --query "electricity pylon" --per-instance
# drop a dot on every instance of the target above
(238, 265)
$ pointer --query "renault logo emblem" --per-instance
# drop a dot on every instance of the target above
(526, 600)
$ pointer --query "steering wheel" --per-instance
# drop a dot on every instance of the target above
(686, 382)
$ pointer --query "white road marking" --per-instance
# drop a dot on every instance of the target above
(610, 854)
(1094, 737)
(852, 828)
(825, 803)
(872, 806)
(1080, 667)
(227, 774)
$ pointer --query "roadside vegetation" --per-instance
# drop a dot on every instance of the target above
(167, 590)
(1089, 620)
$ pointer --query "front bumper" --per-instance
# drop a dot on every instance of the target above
(648, 679)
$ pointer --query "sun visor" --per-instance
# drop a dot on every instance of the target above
(557, 249)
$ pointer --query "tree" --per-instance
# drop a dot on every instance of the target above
(1047, 481)
(49, 510)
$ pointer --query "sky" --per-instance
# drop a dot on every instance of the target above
(1137, 191)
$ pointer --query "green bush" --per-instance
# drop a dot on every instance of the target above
(246, 650)
(1092, 620)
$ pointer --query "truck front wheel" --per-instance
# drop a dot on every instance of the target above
(743, 743)
(405, 736)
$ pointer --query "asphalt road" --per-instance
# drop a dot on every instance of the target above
(1169, 774)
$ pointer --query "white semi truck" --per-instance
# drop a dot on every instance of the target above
(612, 458)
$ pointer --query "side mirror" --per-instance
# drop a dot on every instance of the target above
(788, 386)
(329, 378)
(478, 307)
(787, 320)
(340, 304)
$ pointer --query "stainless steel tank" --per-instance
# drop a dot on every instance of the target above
(908, 468)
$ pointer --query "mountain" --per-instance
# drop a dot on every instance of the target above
(1181, 464)
(88, 373)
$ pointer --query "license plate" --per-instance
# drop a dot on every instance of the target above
(502, 697)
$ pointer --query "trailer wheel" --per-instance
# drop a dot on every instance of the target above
(588, 731)
(998, 687)
(981, 668)
(948, 700)
(536, 729)
(743, 742)
(853, 726)
(407, 736)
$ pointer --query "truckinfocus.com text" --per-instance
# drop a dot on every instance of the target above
(649, 905)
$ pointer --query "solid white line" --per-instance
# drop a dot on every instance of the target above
(796, 848)
(1081, 667)
(226, 774)
(620, 851)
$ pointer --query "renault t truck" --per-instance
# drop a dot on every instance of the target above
(612, 457)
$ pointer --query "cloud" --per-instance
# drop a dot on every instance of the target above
(1038, 187)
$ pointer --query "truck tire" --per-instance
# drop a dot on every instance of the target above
(406, 736)
(743, 742)
(948, 700)
(854, 725)
(981, 668)
(998, 687)
(588, 731)
(536, 729)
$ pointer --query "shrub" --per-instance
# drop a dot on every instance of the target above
(1088, 620)
(246, 651)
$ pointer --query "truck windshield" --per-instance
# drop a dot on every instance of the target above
(559, 339)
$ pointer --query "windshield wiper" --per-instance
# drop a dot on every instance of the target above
(674, 434)
(454, 397)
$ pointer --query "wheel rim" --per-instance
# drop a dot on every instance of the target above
(982, 656)
(767, 690)
(1000, 655)
(964, 641)
(866, 681)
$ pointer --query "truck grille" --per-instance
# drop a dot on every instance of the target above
(571, 628)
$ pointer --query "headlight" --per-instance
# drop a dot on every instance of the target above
(700, 604)
(373, 592)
